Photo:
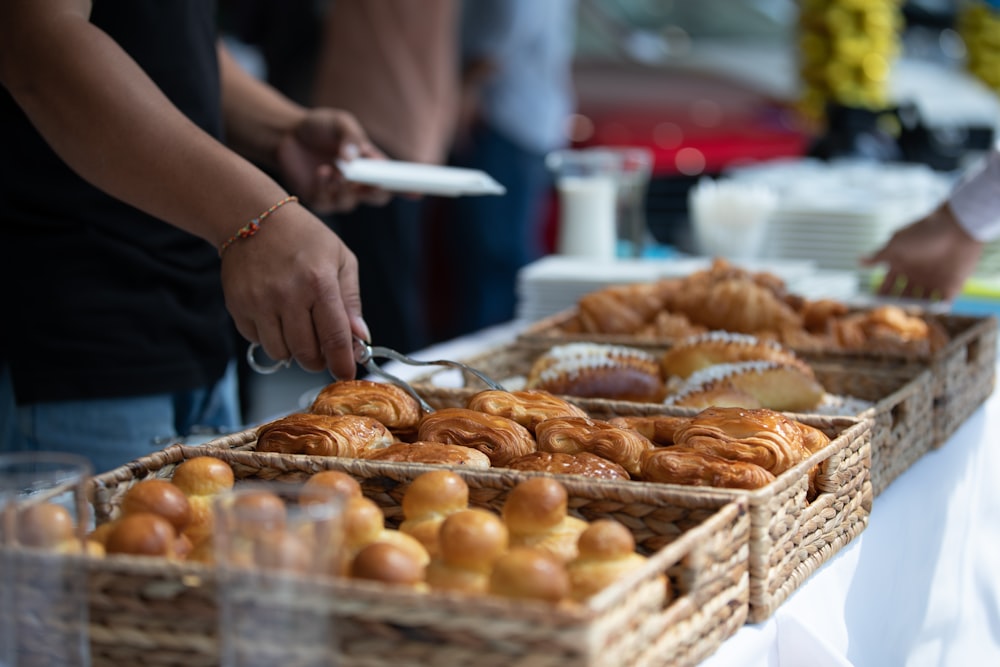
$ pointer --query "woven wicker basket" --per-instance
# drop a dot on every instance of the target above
(148, 611)
(790, 537)
(962, 373)
(902, 408)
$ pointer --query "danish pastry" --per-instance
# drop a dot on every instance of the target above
(389, 404)
(658, 429)
(572, 435)
(562, 463)
(526, 407)
(684, 465)
(323, 435)
(500, 438)
(433, 453)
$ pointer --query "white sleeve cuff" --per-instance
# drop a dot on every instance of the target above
(975, 199)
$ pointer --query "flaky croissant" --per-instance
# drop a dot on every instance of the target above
(581, 434)
(385, 402)
(323, 435)
(526, 407)
(500, 438)
(683, 465)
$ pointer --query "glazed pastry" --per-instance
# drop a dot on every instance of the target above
(684, 465)
(435, 453)
(606, 554)
(500, 438)
(598, 371)
(764, 437)
(323, 435)
(389, 404)
(526, 407)
(723, 347)
(572, 435)
(752, 384)
(561, 463)
(658, 429)
(535, 514)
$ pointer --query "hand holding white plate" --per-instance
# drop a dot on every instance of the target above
(419, 178)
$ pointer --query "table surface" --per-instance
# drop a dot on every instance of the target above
(920, 586)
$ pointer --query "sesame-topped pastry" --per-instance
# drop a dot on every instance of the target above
(598, 371)
(724, 347)
(750, 384)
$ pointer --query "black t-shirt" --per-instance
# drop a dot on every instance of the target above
(99, 299)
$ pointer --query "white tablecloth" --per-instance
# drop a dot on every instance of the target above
(919, 587)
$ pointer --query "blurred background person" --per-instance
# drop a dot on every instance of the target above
(517, 100)
(394, 65)
(933, 257)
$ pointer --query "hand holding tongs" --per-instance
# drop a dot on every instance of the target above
(365, 354)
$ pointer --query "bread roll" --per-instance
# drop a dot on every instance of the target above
(683, 465)
(283, 550)
(45, 525)
(561, 463)
(471, 540)
(142, 534)
(427, 501)
(606, 553)
(752, 384)
(529, 574)
(388, 563)
(201, 479)
(323, 482)
(434, 453)
(598, 371)
(526, 407)
(386, 402)
(535, 513)
(158, 496)
(500, 438)
(572, 435)
(724, 347)
(323, 435)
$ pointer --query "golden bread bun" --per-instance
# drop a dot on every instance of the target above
(389, 563)
(383, 401)
(363, 523)
(606, 553)
(598, 371)
(582, 434)
(282, 550)
(258, 512)
(143, 534)
(535, 513)
(761, 436)
(658, 429)
(526, 407)
(407, 543)
(752, 384)
(203, 476)
(500, 438)
(45, 525)
(323, 435)
(428, 499)
(317, 487)
(161, 497)
(723, 347)
(683, 465)
(434, 453)
(470, 542)
(561, 463)
(529, 574)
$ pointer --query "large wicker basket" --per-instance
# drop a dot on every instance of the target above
(962, 372)
(149, 611)
(790, 536)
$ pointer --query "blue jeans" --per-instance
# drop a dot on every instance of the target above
(112, 432)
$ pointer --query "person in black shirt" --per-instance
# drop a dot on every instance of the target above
(135, 211)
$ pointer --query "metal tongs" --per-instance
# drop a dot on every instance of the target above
(365, 354)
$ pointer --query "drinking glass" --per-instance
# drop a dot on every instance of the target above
(44, 519)
(275, 542)
(587, 184)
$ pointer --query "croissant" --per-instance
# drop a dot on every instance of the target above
(620, 309)
(597, 371)
(659, 429)
(764, 437)
(385, 402)
(527, 407)
(682, 465)
(562, 463)
(572, 435)
(500, 438)
(434, 453)
(323, 435)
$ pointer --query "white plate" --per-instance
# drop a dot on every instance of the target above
(413, 177)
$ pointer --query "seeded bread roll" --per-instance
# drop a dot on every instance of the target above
(500, 438)
(387, 403)
(350, 436)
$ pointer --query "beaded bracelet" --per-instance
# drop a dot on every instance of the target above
(249, 229)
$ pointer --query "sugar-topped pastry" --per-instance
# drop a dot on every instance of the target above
(724, 347)
(596, 370)
(750, 384)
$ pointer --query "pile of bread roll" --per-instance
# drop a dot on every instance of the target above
(729, 298)
(716, 368)
(535, 430)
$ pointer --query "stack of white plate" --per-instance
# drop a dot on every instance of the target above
(835, 213)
